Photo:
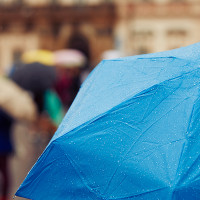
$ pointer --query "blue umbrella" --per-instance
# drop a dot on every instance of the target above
(133, 132)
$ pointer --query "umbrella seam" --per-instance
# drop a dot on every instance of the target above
(183, 149)
(140, 194)
(74, 165)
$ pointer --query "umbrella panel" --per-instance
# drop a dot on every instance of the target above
(125, 153)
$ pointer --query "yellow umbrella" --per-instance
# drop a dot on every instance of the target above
(42, 56)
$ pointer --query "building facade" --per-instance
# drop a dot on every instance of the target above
(93, 26)
(50, 24)
(157, 25)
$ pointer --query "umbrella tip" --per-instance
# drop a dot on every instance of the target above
(14, 197)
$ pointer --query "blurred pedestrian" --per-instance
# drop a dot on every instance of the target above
(15, 104)
(6, 148)
(63, 85)
(69, 63)
(67, 85)
(76, 82)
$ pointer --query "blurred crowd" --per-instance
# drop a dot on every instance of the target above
(38, 90)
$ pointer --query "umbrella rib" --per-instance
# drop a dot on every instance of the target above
(150, 102)
(187, 171)
(183, 150)
(136, 195)
(118, 185)
(160, 101)
(159, 146)
(75, 166)
(152, 125)
(127, 124)
(152, 151)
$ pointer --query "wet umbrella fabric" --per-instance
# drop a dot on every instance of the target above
(131, 133)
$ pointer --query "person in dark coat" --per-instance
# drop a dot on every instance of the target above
(6, 148)
(67, 85)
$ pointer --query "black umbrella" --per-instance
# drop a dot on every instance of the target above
(34, 77)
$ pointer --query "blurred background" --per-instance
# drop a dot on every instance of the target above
(93, 26)
(93, 30)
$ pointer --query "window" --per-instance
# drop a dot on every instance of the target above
(176, 38)
(141, 41)
(17, 55)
